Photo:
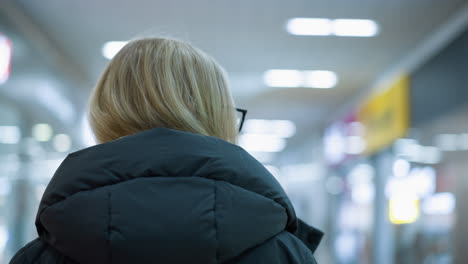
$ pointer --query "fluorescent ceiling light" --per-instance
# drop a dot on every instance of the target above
(279, 128)
(296, 78)
(111, 48)
(337, 27)
(320, 79)
(309, 26)
(283, 78)
(355, 28)
(262, 143)
(42, 132)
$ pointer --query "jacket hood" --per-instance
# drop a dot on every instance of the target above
(162, 196)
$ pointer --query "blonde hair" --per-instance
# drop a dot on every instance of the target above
(158, 82)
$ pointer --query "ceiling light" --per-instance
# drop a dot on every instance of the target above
(62, 142)
(10, 134)
(283, 78)
(111, 48)
(296, 78)
(261, 143)
(355, 28)
(309, 26)
(320, 79)
(337, 27)
(279, 128)
(42, 132)
(5, 58)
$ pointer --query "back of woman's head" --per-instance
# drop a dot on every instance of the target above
(160, 82)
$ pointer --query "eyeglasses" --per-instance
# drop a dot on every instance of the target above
(240, 117)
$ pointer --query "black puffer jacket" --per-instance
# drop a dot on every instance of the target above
(166, 196)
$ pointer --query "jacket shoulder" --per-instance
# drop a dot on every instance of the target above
(38, 252)
(284, 248)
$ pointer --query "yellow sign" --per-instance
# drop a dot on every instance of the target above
(385, 115)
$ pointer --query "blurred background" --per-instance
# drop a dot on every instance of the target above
(359, 108)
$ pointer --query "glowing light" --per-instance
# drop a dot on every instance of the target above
(283, 78)
(279, 128)
(10, 134)
(6, 51)
(420, 182)
(403, 209)
(401, 168)
(363, 193)
(334, 144)
(111, 48)
(62, 142)
(320, 79)
(355, 28)
(42, 132)
(439, 204)
(362, 188)
(337, 27)
(296, 78)
(262, 143)
(309, 26)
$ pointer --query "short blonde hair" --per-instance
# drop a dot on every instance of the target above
(159, 82)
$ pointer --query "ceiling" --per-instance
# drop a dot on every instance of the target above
(248, 37)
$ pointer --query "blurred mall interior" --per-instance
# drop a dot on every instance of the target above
(358, 108)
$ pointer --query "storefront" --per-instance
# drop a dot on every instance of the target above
(397, 166)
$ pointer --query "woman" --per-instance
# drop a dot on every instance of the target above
(167, 184)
